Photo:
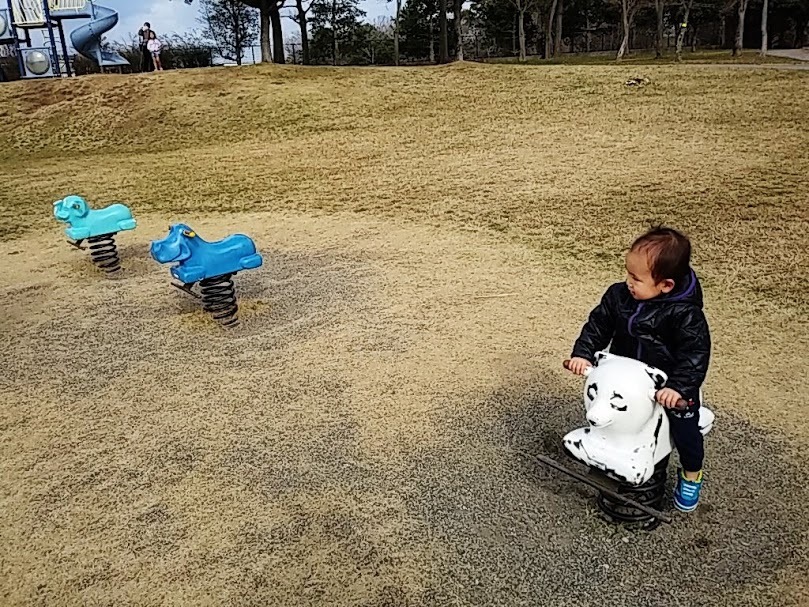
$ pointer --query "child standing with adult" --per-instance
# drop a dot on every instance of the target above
(155, 46)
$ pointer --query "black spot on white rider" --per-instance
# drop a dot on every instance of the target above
(616, 396)
(657, 379)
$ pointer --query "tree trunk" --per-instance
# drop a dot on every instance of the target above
(764, 8)
(625, 22)
(722, 32)
(800, 33)
(459, 29)
(536, 17)
(238, 43)
(396, 33)
(659, 6)
(549, 37)
(432, 41)
(334, 48)
(521, 28)
(738, 44)
(304, 32)
(277, 33)
(266, 50)
(588, 36)
(443, 50)
(678, 51)
(560, 10)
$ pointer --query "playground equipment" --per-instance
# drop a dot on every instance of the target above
(97, 226)
(212, 264)
(627, 443)
(47, 16)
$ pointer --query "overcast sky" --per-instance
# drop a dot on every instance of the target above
(168, 16)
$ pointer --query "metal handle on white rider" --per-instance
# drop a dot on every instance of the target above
(681, 405)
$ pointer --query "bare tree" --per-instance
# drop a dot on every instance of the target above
(629, 9)
(764, 8)
(738, 44)
(686, 4)
(300, 17)
(522, 6)
(231, 25)
(270, 15)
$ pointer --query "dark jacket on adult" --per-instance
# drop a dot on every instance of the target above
(669, 332)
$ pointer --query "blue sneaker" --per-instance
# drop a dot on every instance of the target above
(686, 494)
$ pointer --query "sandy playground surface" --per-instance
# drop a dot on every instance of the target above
(355, 441)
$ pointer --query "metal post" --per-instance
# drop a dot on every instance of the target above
(47, 12)
(100, 57)
(16, 40)
(64, 48)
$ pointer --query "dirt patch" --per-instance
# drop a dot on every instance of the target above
(352, 442)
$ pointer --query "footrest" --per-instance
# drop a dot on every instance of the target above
(187, 288)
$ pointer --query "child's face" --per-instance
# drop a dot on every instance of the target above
(639, 278)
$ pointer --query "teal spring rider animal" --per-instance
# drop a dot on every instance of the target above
(97, 226)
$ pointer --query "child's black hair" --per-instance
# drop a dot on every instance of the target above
(669, 253)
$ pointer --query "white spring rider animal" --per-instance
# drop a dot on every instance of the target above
(628, 432)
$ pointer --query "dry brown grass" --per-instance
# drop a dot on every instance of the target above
(351, 443)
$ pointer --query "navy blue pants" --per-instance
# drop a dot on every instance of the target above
(686, 437)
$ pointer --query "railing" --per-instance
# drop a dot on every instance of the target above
(28, 12)
(31, 12)
(66, 5)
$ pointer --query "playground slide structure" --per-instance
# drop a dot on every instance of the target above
(47, 16)
(86, 38)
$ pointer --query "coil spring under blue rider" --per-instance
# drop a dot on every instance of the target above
(219, 299)
(104, 252)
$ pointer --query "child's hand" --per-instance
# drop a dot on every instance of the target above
(668, 397)
(578, 365)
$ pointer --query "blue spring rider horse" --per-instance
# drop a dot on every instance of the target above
(97, 226)
(212, 264)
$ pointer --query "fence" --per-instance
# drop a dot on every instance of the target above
(479, 47)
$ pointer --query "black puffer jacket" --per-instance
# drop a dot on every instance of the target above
(669, 332)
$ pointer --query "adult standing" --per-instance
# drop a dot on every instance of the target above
(146, 63)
